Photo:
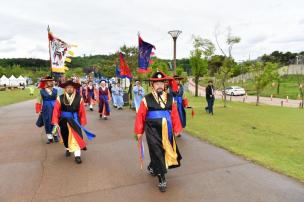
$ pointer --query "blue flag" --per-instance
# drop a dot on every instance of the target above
(144, 55)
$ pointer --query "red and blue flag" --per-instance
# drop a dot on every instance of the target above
(125, 71)
(144, 55)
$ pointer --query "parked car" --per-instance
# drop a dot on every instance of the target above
(234, 90)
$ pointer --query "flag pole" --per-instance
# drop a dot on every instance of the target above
(48, 29)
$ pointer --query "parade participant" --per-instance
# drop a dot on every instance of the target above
(113, 94)
(69, 118)
(158, 118)
(139, 93)
(84, 93)
(180, 99)
(104, 97)
(117, 93)
(59, 90)
(45, 105)
(91, 95)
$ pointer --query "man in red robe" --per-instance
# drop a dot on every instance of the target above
(158, 118)
(69, 117)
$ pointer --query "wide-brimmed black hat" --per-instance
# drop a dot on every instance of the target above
(69, 83)
(176, 77)
(47, 78)
(158, 76)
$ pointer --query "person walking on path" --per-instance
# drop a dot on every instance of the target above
(210, 97)
(91, 95)
(117, 94)
(139, 93)
(45, 105)
(104, 98)
(158, 118)
(69, 119)
(180, 99)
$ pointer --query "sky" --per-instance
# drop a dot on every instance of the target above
(102, 26)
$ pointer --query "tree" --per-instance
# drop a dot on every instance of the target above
(203, 48)
(215, 63)
(226, 70)
(300, 81)
(263, 74)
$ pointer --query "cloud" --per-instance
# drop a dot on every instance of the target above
(301, 22)
(258, 39)
(102, 26)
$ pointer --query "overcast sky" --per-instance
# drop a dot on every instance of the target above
(102, 26)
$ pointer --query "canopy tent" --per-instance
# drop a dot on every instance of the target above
(13, 81)
(4, 80)
(21, 80)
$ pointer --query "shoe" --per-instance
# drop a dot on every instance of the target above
(100, 116)
(105, 118)
(78, 160)
(206, 109)
(179, 135)
(67, 153)
(56, 139)
(50, 141)
(91, 109)
(162, 186)
(151, 171)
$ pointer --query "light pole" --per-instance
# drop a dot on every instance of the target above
(174, 34)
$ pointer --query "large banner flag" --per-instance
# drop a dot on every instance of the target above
(144, 55)
(60, 52)
(125, 71)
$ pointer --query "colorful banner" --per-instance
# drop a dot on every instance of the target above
(144, 55)
(59, 53)
(125, 71)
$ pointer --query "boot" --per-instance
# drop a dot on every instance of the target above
(56, 139)
(67, 153)
(78, 160)
(162, 183)
(151, 171)
(50, 141)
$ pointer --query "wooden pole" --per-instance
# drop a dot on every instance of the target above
(48, 29)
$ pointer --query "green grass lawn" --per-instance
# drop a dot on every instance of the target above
(13, 96)
(268, 135)
(288, 87)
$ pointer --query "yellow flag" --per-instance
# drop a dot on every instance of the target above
(71, 53)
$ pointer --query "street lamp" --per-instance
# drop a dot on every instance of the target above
(174, 34)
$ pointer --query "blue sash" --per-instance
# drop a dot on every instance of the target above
(74, 116)
(159, 114)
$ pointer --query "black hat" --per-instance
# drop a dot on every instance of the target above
(69, 83)
(176, 77)
(158, 76)
(47, 78)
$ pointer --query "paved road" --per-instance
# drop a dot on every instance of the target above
(30, 170)
(248, 99)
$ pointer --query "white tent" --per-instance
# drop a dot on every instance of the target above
(4, 80)
(13, 81)
(21, 80)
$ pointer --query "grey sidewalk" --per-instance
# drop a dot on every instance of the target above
(30, 170)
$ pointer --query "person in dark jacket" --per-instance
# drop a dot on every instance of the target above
(210, 97)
